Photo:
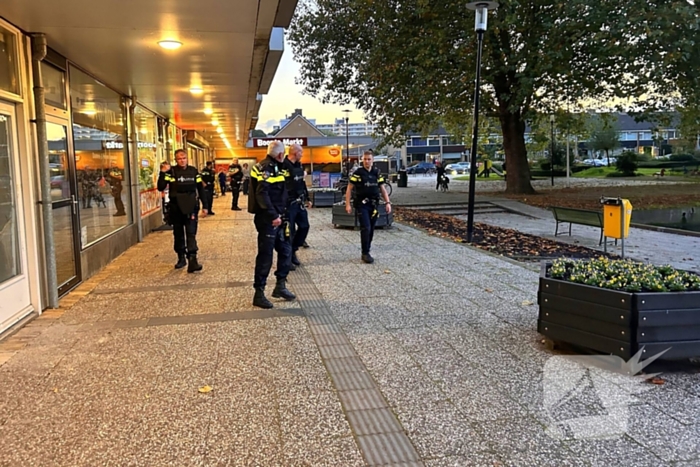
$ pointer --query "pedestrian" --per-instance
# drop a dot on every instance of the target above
(369, 185)
(115, 181)
(222, 182)
(236, 172)
(185, 190)
(246, 179)
(208, 179)
(440, 169)
(298, 201)
(268, 202)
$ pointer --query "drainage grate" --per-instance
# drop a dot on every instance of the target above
(380, 436)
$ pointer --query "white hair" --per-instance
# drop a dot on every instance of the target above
(276, 148)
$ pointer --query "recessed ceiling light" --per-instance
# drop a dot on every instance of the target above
(89, 112)
(215, 122)
(170, 44)
(208, 111)
(196, 90)
(219, 130)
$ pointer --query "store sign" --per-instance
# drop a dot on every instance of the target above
(120, 145)
(150, 201)
(265, 142)
(335, 152)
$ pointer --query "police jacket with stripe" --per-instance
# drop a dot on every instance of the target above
(366, 184)
(296, 186)
(186, 188)
(268, 189)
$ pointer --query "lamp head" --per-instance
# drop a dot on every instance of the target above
(482, 10)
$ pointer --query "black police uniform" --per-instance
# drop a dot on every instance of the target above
(236, 172)
(209, 178)
(185, 192)
(268, 201)
(298, 195)
(115, 180)
(440, 173)
(367, 191)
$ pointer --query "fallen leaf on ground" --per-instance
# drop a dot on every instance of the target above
(386, 271)
(55, 389)
(657, 380)
(488, 290)
(205, 389)
(527, 303)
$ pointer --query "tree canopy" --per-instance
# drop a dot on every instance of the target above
(410, 64)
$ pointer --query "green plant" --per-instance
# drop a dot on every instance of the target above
(624, 275)
(682, 157)
(627, 163)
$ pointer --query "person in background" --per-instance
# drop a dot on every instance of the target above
(440, 169)
(298, 201)
(236, 172)
(208, 178)
(222, 182)
(246, 179)
(115, 181)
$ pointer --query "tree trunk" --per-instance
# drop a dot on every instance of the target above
(607, 156)
(518, 173)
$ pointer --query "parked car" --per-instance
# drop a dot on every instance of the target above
(421, 168)
(596, 162)
(458, 168)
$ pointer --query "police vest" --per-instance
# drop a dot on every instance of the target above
(183, 188)
(366, 183)
(295, 179)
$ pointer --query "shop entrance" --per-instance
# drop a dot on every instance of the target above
(64, 200)
(15, 299)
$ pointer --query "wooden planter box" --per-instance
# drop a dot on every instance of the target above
(619, 323)
(343, 219)
(325, 199)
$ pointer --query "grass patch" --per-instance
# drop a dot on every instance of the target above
(602, 172)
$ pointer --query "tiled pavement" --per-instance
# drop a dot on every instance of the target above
(427, 357)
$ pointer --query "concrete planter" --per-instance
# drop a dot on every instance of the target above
(619, 323)
(343, 219)
(325, 199)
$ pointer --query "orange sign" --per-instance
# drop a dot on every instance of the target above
(335, 152)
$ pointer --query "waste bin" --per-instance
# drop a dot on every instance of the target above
(617, 212)
(403, 179)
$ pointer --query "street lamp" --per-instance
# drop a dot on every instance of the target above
(347, 140)
(482, 10)
(551, 156)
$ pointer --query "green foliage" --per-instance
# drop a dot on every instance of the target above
(258, 133)
(604, 135)
(410, 64)
(627, 163)
(624, 275)
(682, 157)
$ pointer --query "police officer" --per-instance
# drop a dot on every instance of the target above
(209, 178)
(115, 180)
(268, 201)
(236, 172)
(368, 184)
(185, 190)
(298, 200)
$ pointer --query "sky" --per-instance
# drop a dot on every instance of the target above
(285, 96)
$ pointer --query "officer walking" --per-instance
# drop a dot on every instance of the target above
(298, 200)
(236, 172)
(185, 190)
(209, 178)
(368, 184)
(268, 201)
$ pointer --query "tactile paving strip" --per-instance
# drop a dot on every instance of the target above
(380, 437)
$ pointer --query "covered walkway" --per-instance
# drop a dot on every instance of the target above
(427, 357)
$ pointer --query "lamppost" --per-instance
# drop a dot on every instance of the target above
(347, 141)
(482, 10)
(551, 156)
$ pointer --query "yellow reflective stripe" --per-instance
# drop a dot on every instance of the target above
(277, 179)
(285, 173)
(169, 178)
(198, 179)
(381, 180)
(255, 173)
(354, 178)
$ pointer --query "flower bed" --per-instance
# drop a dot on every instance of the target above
(620, 307)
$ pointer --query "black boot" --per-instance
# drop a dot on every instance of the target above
(295, 260)
(281, 291)
(193, 265)
(260, 300)
(181, 261)
(367, 259)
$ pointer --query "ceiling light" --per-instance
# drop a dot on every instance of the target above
(89, 113)
(219, 130)
(170, 44)
(196, 90)
(208, 111)
(215, 122)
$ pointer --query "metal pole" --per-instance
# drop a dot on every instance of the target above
(39, 47)
(347, 146)
(622, 228)
(472, 168)
(551, 156)
(568, 165)
(135, 166)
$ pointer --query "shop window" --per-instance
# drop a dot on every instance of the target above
(147, 160)
(8, 62)
(54, 85)
(101, 157)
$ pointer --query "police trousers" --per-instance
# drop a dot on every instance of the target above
(184, 231)
(209, 193)
(368, 215)
(235, 191)
(271, 239)
(298, 224)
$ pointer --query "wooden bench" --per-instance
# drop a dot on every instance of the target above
(578, 216)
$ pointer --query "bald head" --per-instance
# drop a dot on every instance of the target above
(295, 152)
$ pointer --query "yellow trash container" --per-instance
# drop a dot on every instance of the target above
(613, 210)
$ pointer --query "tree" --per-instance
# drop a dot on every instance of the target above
(410, 64)
(604, 135)
(328, 132)
(258, 134)
(274, 132)
(627, 163)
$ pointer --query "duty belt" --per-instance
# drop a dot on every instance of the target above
(301, 201)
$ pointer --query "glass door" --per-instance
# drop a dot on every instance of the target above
(65, 207)
(15, 299)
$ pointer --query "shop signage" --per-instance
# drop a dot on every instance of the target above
(150, 201)
(265, 142)
(120, 145)
(335, 152)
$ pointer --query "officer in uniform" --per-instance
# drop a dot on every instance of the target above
(268, 201)
(236, 172)
(368, 184)
(185, 190)
(115, 180)
(298, 201)
(209, 178)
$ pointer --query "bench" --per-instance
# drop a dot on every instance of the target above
(578, 216)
